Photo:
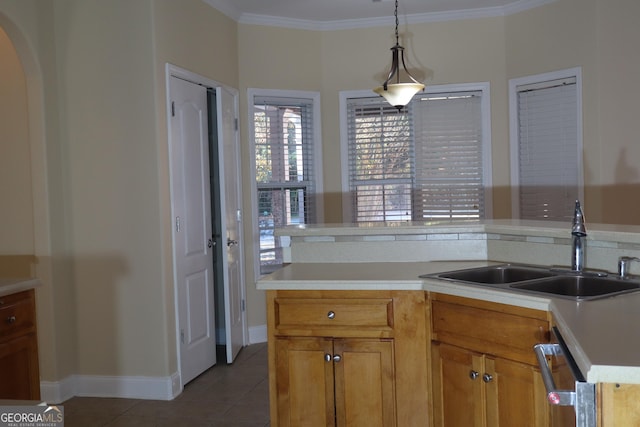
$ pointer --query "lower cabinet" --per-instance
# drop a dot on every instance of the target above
(349, 382)
(348, 358)
(19, 372)
(484, 371)
(474, 389)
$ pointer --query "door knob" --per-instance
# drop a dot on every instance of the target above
(337, 358)
(331, 315)
(231, 243)
(474, 374)
(210, 243)
(487, 378)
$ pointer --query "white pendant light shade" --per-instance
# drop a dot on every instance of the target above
(399, 94)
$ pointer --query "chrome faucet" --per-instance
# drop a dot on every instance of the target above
(578, 241)
(624, 265)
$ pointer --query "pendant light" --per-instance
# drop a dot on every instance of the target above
(398, 94)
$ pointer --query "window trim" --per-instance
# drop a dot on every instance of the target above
(514, 130)
(487, 171)
(252, 93)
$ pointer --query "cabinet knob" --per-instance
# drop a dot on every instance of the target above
(487, 378)
(335, 358)
(11, 320)
(474, 374)
(331, 315)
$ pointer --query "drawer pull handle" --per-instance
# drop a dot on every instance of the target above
(487, 378)
(331, 315)
(11, 320)
(474, 374)
(337, 358)
(327, 357)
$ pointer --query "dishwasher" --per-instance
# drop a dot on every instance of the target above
(572, 399)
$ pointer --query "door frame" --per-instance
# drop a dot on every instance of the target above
(175, 71)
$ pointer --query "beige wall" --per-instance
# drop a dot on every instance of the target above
(97, 71)
(594, 34)
(196, 37)
(96, 102)
(617, 35)
(270, 58)
(447, 52)
(29, 26)
(601, 37)
(16, 197)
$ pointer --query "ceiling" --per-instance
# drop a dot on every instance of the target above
(333, 14)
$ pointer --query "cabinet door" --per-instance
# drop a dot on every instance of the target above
(364, 378)
(19, 369)
(515, 394)
(304, 382)
(458, 394)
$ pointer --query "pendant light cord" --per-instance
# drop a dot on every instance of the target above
(396, 15)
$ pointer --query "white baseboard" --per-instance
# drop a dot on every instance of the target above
(257, 334)
(155, 388)
(56, 392)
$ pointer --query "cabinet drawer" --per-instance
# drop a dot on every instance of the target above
(510, 335)
(329, 313)
(17, 314)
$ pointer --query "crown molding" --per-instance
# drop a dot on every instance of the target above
(227, 8)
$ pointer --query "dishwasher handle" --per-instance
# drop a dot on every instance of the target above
(554, 396)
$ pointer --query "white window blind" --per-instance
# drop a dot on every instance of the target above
(548, 158)
(380, 160)
(285, 176)
(449, 182)
(424, 162)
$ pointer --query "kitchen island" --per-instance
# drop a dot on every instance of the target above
(601, 334)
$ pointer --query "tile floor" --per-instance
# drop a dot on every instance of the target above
(224, 396)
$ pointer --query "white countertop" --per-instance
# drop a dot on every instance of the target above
(10, 286)
(603, 335)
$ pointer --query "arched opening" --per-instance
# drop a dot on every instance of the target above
(26, 184)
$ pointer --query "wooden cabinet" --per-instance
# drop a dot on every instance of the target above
(346, 382)
(483, 367)
(19, 372)
(618, 405)
(348, 358)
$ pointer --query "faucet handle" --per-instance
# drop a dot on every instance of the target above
(578, 228)
(624, 264)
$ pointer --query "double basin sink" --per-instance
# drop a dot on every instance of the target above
(579, 286)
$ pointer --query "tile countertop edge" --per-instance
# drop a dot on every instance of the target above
(613, 232)
(11, 286)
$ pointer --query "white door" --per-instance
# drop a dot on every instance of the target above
(231, 221)
(192, 230)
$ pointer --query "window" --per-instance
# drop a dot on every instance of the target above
(285, 130)
(546, 144)
(429, 161)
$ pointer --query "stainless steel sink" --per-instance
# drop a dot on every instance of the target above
(579, 287)
(498, 274)
(539, 280)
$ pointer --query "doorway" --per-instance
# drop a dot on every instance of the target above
(206, 215)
